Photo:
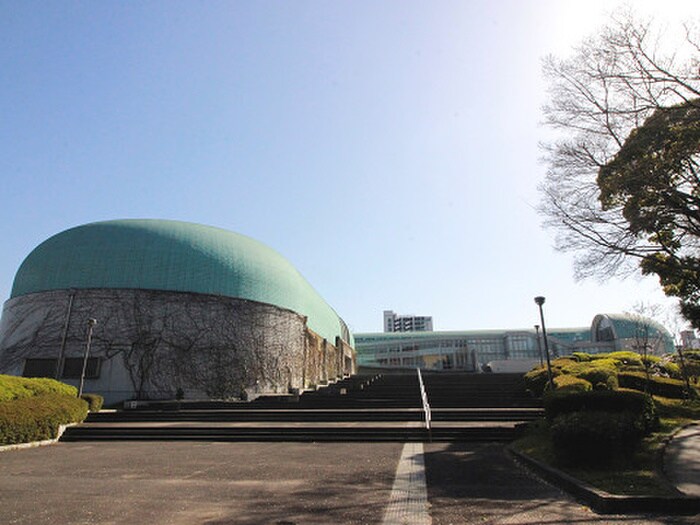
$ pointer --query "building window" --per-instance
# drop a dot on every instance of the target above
(39, 368)
(73, 367)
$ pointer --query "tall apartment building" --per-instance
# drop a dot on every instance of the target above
(407, 323)
(689, 339)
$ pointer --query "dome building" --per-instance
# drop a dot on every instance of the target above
(180, 307)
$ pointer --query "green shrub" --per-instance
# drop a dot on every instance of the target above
(94, 401)
(601, 377)
(577, 368)
(624, 357)
(38, 418)
(595, 436)
(676, 408)
(650, 360)
(569, 383)
(658, 386)
(563, 362)
(691, 361)
(581, 357)
(601, 373)
(606, 363)
(13, 387)
(536, 380)
(642, 406)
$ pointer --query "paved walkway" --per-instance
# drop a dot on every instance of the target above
(283, 484)
(682, 460)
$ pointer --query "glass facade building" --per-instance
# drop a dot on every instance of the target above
(473, 350)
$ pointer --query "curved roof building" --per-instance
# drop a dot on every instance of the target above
(633, 329)
(179, 307)
(175, 256)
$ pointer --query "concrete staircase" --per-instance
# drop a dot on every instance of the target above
(465, 407)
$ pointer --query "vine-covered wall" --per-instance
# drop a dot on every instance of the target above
(152, 344)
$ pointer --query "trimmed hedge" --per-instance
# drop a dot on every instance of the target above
(610, 371)
(658, 386)
(38, 418)
(557, 404)
(600, 373)
(13, 387)
(603, 377)
(536, 380)
(581, 357)
(94, 401)
(595, 436)
(624, 357)
(591, 427)
(569, 383)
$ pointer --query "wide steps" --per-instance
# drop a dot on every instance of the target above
(465, 407)
(305, 415)
(309, 434)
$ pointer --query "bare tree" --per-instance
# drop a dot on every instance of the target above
(646, 337)
(611, 85)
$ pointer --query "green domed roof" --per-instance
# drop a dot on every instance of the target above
(174, 256)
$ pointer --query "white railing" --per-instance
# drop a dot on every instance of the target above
(424, 398)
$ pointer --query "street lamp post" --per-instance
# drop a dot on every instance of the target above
(539, 344)
(91, 324)
(540, 301)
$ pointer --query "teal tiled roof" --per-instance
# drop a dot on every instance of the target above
(174, 256)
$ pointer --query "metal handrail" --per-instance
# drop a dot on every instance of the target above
(424, 398)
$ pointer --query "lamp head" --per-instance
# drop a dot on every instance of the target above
(539, 300)
(92, 322)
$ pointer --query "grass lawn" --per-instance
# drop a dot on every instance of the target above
(639, 473)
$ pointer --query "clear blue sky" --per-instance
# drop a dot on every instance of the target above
(387, 149)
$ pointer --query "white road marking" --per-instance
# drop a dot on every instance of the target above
(408, 503)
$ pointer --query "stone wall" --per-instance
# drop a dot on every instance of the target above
(324, 362)
(152, 343)
(348, 357)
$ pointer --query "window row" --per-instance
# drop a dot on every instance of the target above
(72, 367)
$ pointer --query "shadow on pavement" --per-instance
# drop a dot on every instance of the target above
(480, 483)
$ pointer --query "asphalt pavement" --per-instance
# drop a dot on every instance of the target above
(274, 483)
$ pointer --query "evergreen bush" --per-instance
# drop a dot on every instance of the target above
(94, 401)
(624, 357)
(658, 386)
(601, 377)
(581, 357)
(38, 418)
(569, 383)
(636, 403)
(595, 436)
(13, 387)
(536, 380)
